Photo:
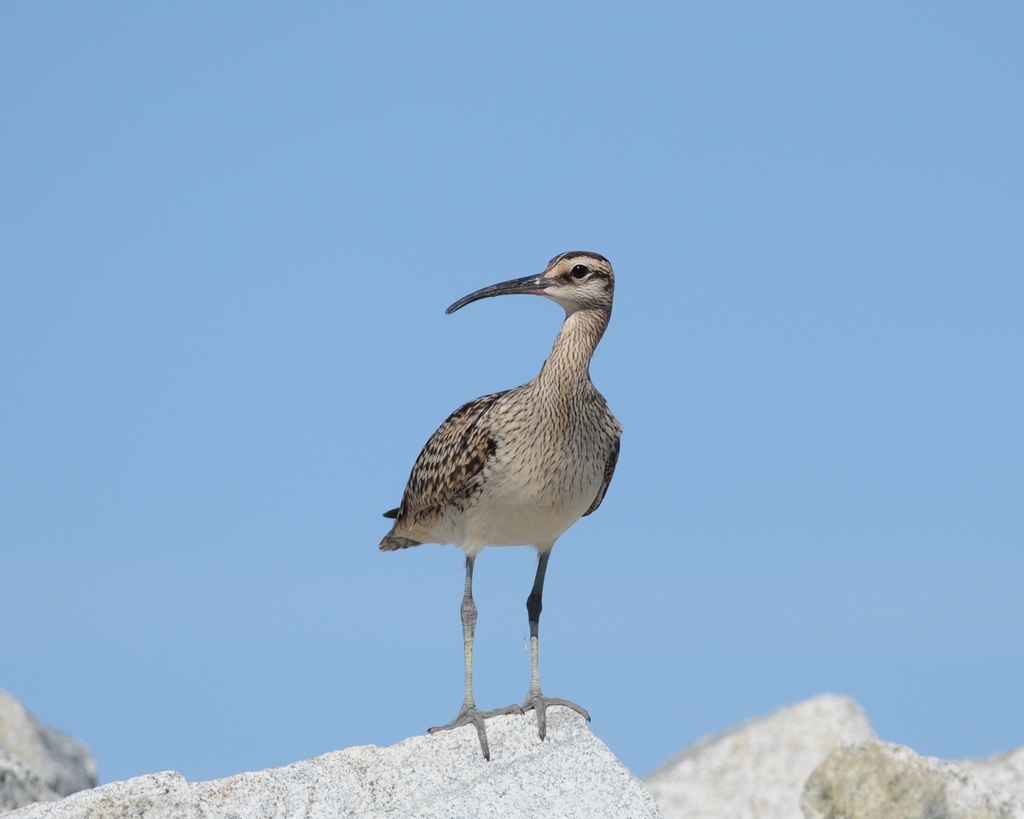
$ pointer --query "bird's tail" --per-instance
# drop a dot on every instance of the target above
(392, 542)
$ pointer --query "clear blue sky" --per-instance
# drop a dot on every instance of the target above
(227, 239)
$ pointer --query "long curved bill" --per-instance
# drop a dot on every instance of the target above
(535, 285)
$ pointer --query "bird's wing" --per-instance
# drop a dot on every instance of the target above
(609, 470)
(448, 469)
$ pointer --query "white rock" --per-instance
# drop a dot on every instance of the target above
(58, 762)
(19, 786)
(570, 774)
(1005, 771)
(879, 779)
(757, 769)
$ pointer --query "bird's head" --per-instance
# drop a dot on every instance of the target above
(576, 280)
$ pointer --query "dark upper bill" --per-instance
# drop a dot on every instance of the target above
(535, 285)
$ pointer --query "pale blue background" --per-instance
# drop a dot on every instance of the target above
(227, 239)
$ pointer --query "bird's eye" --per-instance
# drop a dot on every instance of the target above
(580, 271)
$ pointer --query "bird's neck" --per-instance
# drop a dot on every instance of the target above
(569, 362)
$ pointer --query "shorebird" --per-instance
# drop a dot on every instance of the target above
(518, 468)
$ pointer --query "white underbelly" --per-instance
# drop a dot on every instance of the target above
(512, 511)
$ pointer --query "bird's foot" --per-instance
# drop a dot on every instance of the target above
(535, 701)
(469, 714)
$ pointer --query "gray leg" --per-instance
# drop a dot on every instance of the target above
(535, 699)
(469, 714)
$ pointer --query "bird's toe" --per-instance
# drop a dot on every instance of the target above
(471, 715)
(535, 701)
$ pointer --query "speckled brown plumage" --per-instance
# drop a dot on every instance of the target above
(448, 472)
(547, 449)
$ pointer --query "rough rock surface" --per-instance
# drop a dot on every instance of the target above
(757, 769)
(36, 760)
(570, 774)
(1004, 771)
(19, 786)
(878, 779)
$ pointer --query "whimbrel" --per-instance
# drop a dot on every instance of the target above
(518, 468)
